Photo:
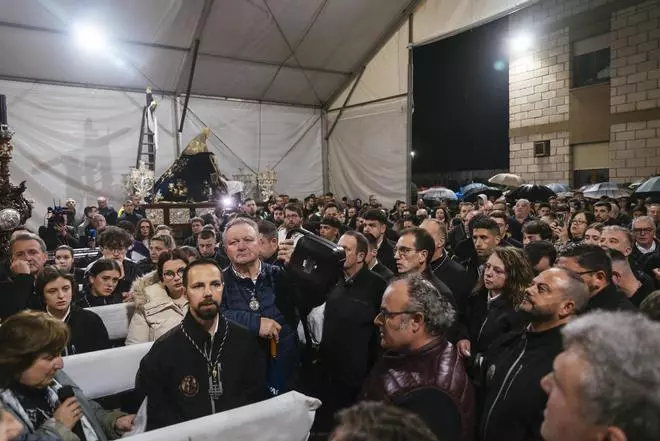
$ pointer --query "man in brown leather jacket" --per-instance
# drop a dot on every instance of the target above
(421, 371)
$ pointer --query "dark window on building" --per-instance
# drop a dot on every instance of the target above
(592, 176)
(591, 61)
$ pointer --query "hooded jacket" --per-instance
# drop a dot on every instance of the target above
(514, 400)
(155, 311)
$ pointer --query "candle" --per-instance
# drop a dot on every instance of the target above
(3, 109)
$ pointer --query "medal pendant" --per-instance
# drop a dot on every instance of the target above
(215, 388)
(254, 304)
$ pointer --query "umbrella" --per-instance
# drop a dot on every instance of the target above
(531, 192)
(636, 184)
(508, 179)
(471, 195)
(610, 189)
(438, 193)
(559, 188)
(473, 185)
(650, 188)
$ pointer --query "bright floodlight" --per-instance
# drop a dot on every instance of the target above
(90, 37)
(227, 202)
(412, 153)
(521, 42)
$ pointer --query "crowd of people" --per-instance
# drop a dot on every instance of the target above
(493, 320)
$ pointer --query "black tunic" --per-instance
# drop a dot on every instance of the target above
(88, 333)
(175, 376)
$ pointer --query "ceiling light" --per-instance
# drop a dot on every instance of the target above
(90, 37)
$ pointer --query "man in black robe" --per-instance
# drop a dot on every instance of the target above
(205, 365)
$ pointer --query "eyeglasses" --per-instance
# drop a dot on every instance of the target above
(642, 230)
(403, 250)
(581, 222)
(169, 274)
(384, 313)
(114, 250)
(586, 272)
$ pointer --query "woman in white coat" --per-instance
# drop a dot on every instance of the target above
(160, 303)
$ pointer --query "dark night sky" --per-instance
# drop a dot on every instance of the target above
(461, 102)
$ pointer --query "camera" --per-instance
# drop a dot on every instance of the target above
(315, 266)
(57, 215)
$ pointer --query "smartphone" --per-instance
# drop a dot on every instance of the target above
(561, 218)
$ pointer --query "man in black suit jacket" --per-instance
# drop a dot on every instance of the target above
(350, 342)
(372, 260)
(375, 223)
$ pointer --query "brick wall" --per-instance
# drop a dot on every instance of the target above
(634, 150)
(542, 170)
(539, 91)
(635, 52)
(538, 82)
(635, 85)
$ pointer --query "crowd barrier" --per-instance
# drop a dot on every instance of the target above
(104, 373)
(288, 417)
(116, 318)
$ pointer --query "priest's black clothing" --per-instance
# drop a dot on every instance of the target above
(351, 341)
(386, 255)
(175, 376)
(383, 271)
(16, 294)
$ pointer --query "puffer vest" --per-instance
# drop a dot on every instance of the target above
(436, 366)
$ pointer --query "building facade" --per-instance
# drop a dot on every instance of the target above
(584, 96)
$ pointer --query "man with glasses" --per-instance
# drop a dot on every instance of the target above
(420, 370)
(293, 218)
(207, 364)
(646, 245)
(413, 254)
(349, 346)
(592, 263)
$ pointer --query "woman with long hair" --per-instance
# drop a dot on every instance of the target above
(491, 308)
(86, 329)
(103, 276)
(144, 230)
(31, 344)
(592, 233)
(162, 305)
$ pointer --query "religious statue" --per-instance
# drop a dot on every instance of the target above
(193, 177)
(14, 208)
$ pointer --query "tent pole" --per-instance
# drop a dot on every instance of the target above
(324, 151)
(177, 134)
(348, 98)
(409, 112)
(190, 82)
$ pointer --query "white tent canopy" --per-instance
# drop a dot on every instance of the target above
(288, 51)
(270, 78)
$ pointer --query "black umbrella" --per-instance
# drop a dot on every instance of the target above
(531, 192)
(471, 194)
(649, 188)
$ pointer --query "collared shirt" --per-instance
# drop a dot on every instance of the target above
(241, 276)
(373, 263)
(646, 250)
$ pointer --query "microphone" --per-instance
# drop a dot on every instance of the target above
(64, 393)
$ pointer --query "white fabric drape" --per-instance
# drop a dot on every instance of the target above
(74, 142)
(367, 152)
(255, 137)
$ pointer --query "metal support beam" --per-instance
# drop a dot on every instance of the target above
(348, 98)
(190, 82)
(411, 109)
(366, 103)
(324, 151)
(175, 117)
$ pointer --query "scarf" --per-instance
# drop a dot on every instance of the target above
(35, 410)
